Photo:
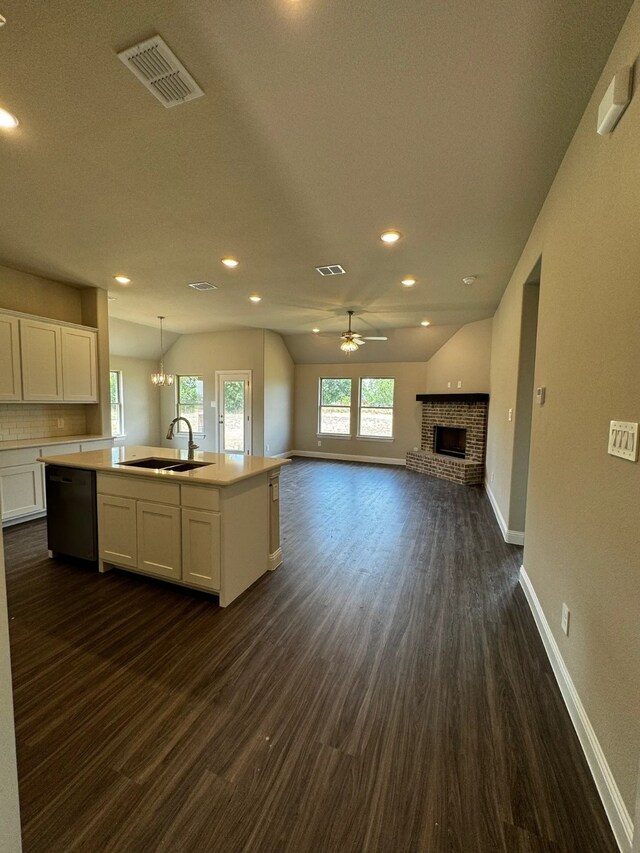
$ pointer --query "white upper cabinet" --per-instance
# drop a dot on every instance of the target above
(11, 374)
(40, 347)
(79, 374)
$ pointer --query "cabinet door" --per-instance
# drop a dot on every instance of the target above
(10, 375)
(117, 530)
(21, 490)
(79, 376)
(201, 548)
(159, 540)
(41, 361)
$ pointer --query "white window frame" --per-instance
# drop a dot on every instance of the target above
(360, 407)
(338, 435)
(180, 427)
(119, 404)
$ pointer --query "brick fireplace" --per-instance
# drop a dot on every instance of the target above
(455, 424)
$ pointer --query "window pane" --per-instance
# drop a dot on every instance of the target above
(335, 392)
(190, 389)
(194, 414)
(114, 386)
(335, 420)
(376, 422)
(233, 420)
(376, 392)
(115, 419)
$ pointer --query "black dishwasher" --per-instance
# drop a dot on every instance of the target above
(72, 527)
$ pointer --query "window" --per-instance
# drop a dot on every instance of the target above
(335, 407)
(375, 416)
(190, 403)
(117, 412)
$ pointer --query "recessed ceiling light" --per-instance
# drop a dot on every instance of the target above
(425, 323)
(315, 331)
(7, 120)
(255, 298)
(3, 20)
(122, 279)
(408, 282)
(390, 236)
(469, 279)
(230, 262)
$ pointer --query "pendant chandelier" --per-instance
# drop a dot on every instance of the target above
(162, 379)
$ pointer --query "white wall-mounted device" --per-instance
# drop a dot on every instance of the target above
(623, 440)
(541, 393)
(615, 101)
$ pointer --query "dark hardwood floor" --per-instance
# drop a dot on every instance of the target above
(384, 691)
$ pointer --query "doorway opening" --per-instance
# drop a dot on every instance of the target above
(234, 411)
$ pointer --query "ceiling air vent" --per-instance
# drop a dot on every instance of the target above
(332, 269)
(160, 70)
(203, 285)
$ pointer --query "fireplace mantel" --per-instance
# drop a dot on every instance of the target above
(452, 398)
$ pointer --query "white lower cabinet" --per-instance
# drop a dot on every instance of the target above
(21, 490)
(159, 540)
(201, 548)
(117, 530)
(157, 529)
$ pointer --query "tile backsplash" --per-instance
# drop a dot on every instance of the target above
(40, 420)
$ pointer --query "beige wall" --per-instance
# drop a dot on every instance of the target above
(9, 809)
(203, 354)
(31, 294)
(141, 400)
(278, 395)
(466, 358)
(582, 544)
(410, 380)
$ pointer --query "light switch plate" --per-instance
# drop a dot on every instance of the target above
(541, 394)
(623, 440)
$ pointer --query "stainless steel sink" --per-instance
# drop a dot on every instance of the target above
(165, 464)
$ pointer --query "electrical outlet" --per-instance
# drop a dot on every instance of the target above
(448, 385)
(459, 383)
(564, 622)
(319, 444)
(491, 477)
(415, 449)
(266, 448)
(60, 423)
(510, 415)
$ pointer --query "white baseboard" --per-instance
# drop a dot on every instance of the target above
(613, 803)
(275, 560)
(284, 455)
(513, 537)
(348, 457)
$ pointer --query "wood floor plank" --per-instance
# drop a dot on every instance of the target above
(384, 691)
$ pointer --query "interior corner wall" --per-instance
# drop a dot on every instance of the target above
(410, 378)
(465, 358)
(278, 395)
(203, 354)
(141, 400)
(582, 544)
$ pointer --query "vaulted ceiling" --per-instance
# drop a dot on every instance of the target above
(323, 123)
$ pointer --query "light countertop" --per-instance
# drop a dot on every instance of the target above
(223, 469)
(19, 443)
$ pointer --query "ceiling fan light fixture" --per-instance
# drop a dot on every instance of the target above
(348, 345)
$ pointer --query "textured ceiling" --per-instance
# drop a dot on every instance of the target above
(323, 123)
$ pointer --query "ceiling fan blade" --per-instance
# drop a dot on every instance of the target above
(375, 339)
(355, 335)
(358, 341)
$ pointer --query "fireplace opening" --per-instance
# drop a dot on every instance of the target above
(450, 441)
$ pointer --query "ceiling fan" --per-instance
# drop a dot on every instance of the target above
(352, 340)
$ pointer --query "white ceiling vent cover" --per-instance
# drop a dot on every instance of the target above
(331, 269)
(203, 285)
(160, 70)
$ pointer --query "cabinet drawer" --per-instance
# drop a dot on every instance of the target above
(141, 489)
(201, 497)
(19, 457)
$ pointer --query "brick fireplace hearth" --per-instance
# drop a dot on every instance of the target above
(462, 411)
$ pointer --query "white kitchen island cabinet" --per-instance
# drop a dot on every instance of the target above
(215, 528)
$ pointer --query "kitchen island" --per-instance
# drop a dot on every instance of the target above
(211, 522)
